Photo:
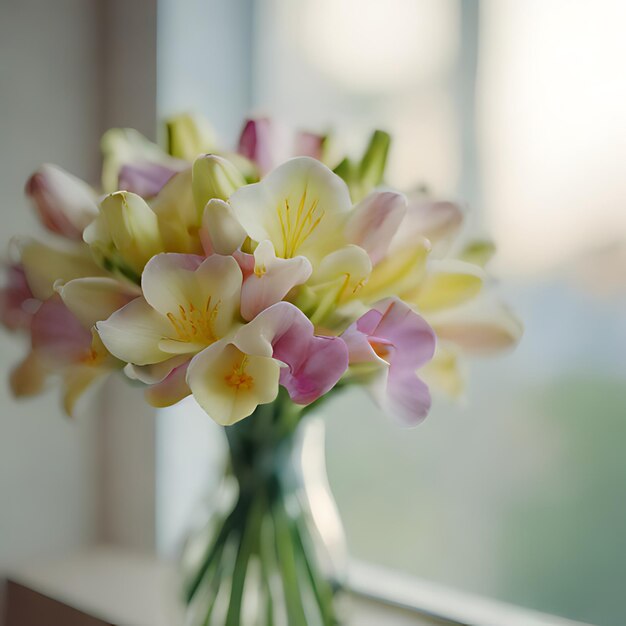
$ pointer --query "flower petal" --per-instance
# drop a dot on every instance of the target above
(448, 284)
(132, 226)
(401, 341)
(375, 220)
(271, 280)
(133, 333)
(76, 381)
(221, 231)
(398, 272)
(437, 221)
(410, 334)
(229, 384)
(255, 143)
(478, 252)
(45, 264)
(406, 397)
(350, 264)
(17, 303)
(214, 177)
(57, 334)
(314, 364)
(309, 144)
(189, 135)
(338, 278)
(171, 389)
(445, 371)
(146, 178)
(301, 207)
(94, 299)
(156, 372)
(481, 326)
(394, 329)
(28, 378)
(122, 146)
(177, 216)
(170, 281)
(65, 204)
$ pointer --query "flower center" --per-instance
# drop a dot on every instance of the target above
(381, 349)
(195, 325)
(238, 378)
(296, 227)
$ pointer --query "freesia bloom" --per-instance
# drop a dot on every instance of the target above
(313, 364)
(267, 143)
(188, 303)
(232, 377)
(398, 342)
(17, 303)
(228, 274)
(302, 209)
(65, 204)
(61, 346)
(191, 306)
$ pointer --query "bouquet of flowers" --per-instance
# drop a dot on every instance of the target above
(260, 282)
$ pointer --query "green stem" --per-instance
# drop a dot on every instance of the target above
(321, 588)
(227, 527)
(248, 538)
(287, 563)
(268, 563)
(214, 583)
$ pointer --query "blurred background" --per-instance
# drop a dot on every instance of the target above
(516, 109)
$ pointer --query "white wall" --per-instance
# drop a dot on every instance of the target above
(49, 111)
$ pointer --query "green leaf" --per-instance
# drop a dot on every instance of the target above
(478, 252)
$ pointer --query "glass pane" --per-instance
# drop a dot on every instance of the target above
(516, 492)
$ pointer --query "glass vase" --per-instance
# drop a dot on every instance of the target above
(273, 553)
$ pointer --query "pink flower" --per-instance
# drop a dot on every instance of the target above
(397, 340)
(313, 364)
(146, 178)
(267, 144)
(65, 204)
(62, 346)
(17, 303)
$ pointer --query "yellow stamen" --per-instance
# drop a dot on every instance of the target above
(193, 325)
(238, 377)
(295, 232)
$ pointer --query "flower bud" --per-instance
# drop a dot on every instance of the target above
(65, 204)
(214, 177)
(125, 236)
(188, 136)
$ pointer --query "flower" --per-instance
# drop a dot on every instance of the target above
(226, 275)
(125, 235)
(313, 363)
(133, 163)
(232, 377)
(364, 176)
(397, 341)
(187, 303)
(189, 135)
(302, 209)
(65, 204)
(452, 293)
(267, 144)
(268, 278)
(214, 177)
(61, 346)
(17, 302)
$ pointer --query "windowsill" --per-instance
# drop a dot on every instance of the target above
(136, 590)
